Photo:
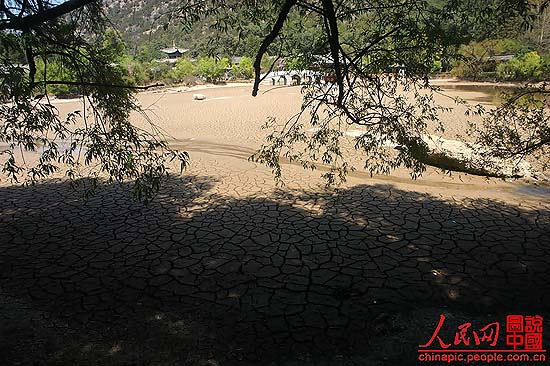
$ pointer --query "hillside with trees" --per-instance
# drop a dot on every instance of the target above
(512, 50)
(147, 27)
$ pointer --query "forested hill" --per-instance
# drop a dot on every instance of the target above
(142, 21)
(146, 29)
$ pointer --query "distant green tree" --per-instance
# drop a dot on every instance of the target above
(528, 66)
(183, 69)
(148, 51)
(475, 58)
(437, 66)
(531, 65)
(296, 63)
(53, 68)
(244, 70)
(135, 71)
(212, 69)
(113, 44)
(67, 45)
(160, 71)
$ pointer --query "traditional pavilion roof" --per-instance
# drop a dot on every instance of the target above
(172, 50)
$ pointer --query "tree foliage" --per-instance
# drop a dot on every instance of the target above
(527, 66)
(183, 70)
(244, 69)
(64, 45)
(519, 127)
(477, 57)
(212, 69)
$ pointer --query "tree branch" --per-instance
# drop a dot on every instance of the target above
(334, 43)
(530, 147)
(33, 20)
(310, 7)
(268, 40)
(84, 83)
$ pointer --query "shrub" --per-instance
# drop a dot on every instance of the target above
(295, 63)
(56, 70)
(135, 72)
(160, 71)
(244, 70)
(212, 69)
(528, 66)
(436, 67)
(475, 57)
(183, 70)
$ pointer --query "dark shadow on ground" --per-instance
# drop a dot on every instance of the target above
(296, 273)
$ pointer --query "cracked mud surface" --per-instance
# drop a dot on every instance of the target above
(287, 272)
(268, 271)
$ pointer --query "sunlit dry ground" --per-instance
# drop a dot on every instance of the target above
(229, 124)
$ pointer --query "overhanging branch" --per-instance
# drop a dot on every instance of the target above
(334, 43)
(49, 14)
(97, 85)
(268, 40)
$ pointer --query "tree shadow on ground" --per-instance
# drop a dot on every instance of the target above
(295, 272)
